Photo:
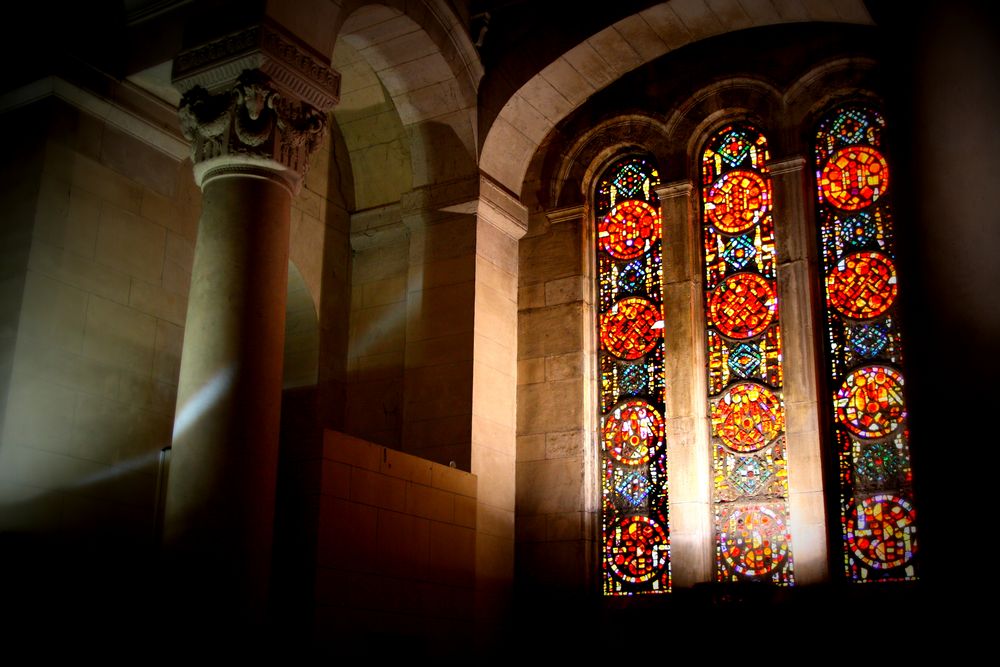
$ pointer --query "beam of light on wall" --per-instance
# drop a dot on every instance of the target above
(376, 330)
(202, 401)
(117, 470)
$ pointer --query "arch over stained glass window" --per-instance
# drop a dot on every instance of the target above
(635, 534)
(864, 350)
(750, 488)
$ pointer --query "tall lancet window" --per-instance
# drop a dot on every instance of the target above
(864, 350)
(635, 535)
(750, 487)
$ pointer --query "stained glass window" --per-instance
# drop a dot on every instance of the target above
(635, 536)
(750, 488)
(865, 353)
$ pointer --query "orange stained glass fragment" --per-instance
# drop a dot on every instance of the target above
(881, 531)
(870, 401)
(737, 201)
(638, 549)
(854, 177)
(631, 432)
(743, 305)
(631, 328)
(752, 541)
(629, 230)
(748, 417)
(862, 285)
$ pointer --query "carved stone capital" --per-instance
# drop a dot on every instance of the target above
(296, 70)
(250, 124)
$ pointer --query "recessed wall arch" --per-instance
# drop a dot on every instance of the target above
(565, 84)
(716, 104)
(420, 76)
(575, 169)
(818, 88)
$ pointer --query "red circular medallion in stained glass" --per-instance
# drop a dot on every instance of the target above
(753, 541)
(637, 549)
(629, 229)
(737, 201)
(747, 417)
(881, 531)
(854, 177)
(862, 285)
(631, 432)
(631, 328)
(742, 305)
(870, 402)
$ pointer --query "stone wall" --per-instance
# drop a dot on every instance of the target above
(93, 377)
(556, 486)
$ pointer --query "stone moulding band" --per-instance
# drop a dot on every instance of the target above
(246, 166)
(296, 68)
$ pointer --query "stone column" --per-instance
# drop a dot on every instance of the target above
(689, 457)
(254, 109)
(795, 239)
(501, 220)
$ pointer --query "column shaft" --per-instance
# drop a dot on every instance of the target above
(221, 489)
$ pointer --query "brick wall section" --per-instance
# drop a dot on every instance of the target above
(396, 547)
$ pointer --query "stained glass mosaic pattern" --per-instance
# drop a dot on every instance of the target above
(740, 477)
(870, 402)
(864, 349)
(631, 328)
(737, 201)
(854, 177)
(747, 417)
(629, 229)
(732, 361)
(635, 527)
(638, 551)
(862, 286)
(743, 305)
(632, 431)
(750, 488)
(754, 543)
(880, 532)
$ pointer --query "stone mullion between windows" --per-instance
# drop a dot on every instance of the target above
(796, 270)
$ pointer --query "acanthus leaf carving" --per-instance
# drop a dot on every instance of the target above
(252, 119)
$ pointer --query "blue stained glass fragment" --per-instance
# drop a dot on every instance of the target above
(869, 340)
(850, 127)
(633, 379)
(744, 360)
(739, 252)
(629, 181)
(634, 487)
(734, 146)
(750, 474)
(632, 276)
(879, 463)
(859, 229)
